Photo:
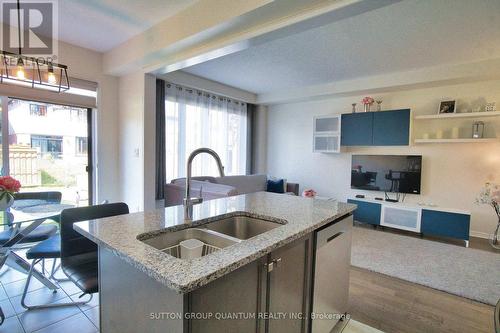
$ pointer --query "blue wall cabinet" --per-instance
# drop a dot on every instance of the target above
(445, 224)
(383, 128)
(366, 212)
(391, 128)
(357, 129)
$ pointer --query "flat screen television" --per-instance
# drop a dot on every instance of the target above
(387, 173)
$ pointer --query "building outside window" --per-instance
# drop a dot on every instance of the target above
(81, 145)
(48, 144)
(38, 110)
(48, 148)
(78, 114)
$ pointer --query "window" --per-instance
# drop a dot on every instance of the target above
(81, 146)
(78, 115)
(38, 110)
(48, 144)
(195, 119)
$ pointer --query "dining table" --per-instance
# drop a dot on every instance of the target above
(24, 216)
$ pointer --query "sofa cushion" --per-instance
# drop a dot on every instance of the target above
(174, 193)
(198, 178)
(245, 184)
(276, 186)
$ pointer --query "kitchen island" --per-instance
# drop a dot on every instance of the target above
(254, 283)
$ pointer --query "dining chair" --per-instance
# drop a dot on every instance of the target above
(4, 254)
(78, 254)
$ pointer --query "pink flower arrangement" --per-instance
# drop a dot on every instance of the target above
(9, 185)
(367, 100)
(495, 197)
(309, 193)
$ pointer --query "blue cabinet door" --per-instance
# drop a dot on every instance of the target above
(391, 128)
(367, 212)
(357, 129)
(445, 224)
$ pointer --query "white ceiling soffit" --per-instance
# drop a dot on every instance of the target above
(404, 36)
(101, 25)
(193, 35)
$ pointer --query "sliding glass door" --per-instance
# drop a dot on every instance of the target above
(49, 149)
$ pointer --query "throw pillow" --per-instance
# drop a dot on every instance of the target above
(276, 186)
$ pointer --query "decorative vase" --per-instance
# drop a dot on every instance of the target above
(367, 107)
(379, 105)
(353, 107)
(495, 237)
(6, 200)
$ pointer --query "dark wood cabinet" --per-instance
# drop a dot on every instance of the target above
(288, 287)
(383, 128)
(391, 128)
(276, 284)
(357, 129)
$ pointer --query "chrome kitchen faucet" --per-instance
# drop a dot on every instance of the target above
(188, 201)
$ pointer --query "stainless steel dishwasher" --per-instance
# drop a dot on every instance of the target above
(331, 274)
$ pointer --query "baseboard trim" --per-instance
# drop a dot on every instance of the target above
(479, 234)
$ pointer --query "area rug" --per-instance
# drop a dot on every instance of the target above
(466, 272)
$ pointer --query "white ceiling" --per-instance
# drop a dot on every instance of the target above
(408, 35)
(101, 25)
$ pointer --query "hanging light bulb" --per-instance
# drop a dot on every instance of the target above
(51, 77)
(20, 73)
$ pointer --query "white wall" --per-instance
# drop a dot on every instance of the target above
(150, 143)
(259, 140)
(131, 140)
(452, 173)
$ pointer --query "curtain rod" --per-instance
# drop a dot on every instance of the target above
(207, 93)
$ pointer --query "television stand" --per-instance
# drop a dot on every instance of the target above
(426, 220)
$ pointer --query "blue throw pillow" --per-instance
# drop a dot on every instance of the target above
(276, 186)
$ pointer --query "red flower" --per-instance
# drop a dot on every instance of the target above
(9, 184)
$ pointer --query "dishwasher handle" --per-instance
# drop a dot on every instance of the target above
(333, 231)
(329, 239)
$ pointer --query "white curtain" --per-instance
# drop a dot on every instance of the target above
(195, 119)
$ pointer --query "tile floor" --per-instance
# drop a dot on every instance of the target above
(75, 319)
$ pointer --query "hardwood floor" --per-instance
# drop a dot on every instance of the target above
(396, 306)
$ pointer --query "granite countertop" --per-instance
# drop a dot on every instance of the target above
(119, 234)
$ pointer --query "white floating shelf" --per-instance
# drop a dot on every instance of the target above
(456, 140)
(460, 115)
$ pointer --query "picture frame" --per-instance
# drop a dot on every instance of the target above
(447, 106)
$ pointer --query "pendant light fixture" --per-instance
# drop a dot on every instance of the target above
(28, 71)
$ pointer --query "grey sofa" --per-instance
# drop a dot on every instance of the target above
(219, 187)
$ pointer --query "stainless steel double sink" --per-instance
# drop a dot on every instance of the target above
(217, 234)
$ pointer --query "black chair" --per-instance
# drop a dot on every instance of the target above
(42, 232)
(78, 254)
